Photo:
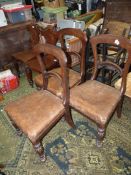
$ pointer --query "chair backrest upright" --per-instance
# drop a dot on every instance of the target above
(50, 35)
(39, 34)
(34, 34)
(116, 18)
(82, 38)
(58, 53)
(113, 40)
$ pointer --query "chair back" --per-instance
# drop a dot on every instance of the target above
(117, 17)
(42, 35)
(34, 34)
(100, 63)
(78, 34)
(118, 10)
(49, 34)
(58, 53)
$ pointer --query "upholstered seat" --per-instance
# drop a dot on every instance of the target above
(96, 105)
(118, 28)
(31, 125)
(54, 84)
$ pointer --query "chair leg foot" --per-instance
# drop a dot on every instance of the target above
(68, 118)
(43, 158)
(99, 143)
(101, 134)
(40, 150)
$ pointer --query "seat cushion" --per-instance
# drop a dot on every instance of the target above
(117, 27)
(128, 85)
(24, 56)
(54, 83)
(36, 113)
(95, 100)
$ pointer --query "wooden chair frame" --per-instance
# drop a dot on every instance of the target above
(101, 120)
(61, 106)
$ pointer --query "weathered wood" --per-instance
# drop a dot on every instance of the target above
(118, 10)
(13, 38)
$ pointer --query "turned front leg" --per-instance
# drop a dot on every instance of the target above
(40, 150)
(101, 134)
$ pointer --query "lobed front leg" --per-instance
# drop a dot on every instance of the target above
(40, 150)
(101, 134)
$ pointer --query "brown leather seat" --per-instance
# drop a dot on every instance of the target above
(36, 121)
(95, 104)
(98, 101)
(74, 77)
(37, 113)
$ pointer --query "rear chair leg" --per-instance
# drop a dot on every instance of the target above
(28, 72)
(16, 65)
(119, 108)
(68, 118)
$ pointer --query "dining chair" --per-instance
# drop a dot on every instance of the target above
(116, 24)
(98, 101)
(75, 77)
(27, 57)
(37, 113)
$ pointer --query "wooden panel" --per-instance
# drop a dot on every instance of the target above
(13, 38)
(118, 10)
